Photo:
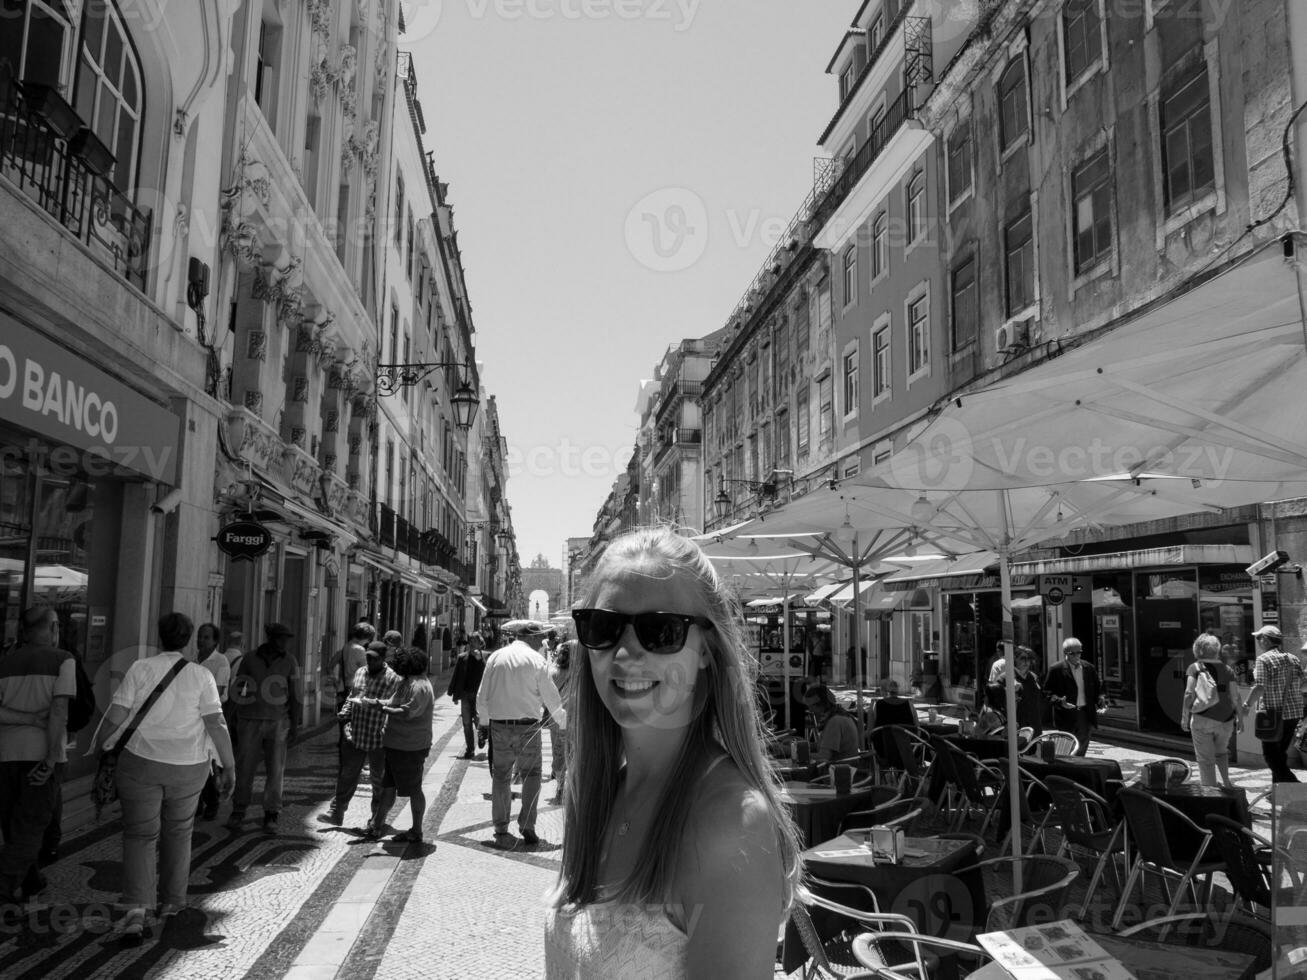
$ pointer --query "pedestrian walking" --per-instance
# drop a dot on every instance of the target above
(365, 725)
(341, 670)
(1277, 687)
(673, 817)
(234, 651)
(514, 689)
(1208, 711)
(267, 691)
(208, 656)
(560, 672)
(1072, 686)
(37, 682)
(408, 739)
(463, 686)
(162, 769)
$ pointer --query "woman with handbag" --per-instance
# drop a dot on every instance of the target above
(1277, 685)
(163, 721)
(1208, 712)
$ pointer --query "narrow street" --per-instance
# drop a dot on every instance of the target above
(318, 902)
(314, 901)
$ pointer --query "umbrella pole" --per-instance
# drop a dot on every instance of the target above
(857, 638)
(1010, 685)
(785, 654)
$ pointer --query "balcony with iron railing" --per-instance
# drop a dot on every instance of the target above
(386, 526)
(847, 174)
(52, 157)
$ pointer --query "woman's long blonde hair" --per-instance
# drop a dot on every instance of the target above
(726, 718)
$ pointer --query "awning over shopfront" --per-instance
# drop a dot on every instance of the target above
(1180, 554)
(845, 595)
(824, 593)
(477, 602)
(774, 601)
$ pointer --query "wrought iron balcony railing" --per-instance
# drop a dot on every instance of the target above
(898, 113)
(52, 157)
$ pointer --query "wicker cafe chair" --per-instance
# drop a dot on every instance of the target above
(1144, 819)
(1248, 860)
(895, 941)
(1087, 824)
(1045, 883)
(895, 813)
(1226, 931)
(1035, 815)
(1064, 743)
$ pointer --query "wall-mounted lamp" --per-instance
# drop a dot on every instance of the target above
(392, 377)
(764, 489)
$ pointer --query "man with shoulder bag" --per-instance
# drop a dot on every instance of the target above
(1277, 685)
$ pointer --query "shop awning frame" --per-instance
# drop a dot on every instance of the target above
(1180, 554)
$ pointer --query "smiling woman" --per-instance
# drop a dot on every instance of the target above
(678, 857)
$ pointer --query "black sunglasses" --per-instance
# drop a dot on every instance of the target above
(658, 632)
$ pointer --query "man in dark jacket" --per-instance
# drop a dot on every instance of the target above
(268, 696)
(463, 687)
(1072, 686)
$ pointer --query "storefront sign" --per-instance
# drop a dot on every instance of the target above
(1109, 623)
(243, 540)
(1055, 588)
(65, 398)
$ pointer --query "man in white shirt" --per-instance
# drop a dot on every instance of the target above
(1072, 686)
(514, 688)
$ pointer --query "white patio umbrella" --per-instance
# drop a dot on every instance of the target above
(1181, 409)
(784, 576)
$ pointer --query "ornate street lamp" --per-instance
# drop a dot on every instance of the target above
(762, 488)
(392, 377)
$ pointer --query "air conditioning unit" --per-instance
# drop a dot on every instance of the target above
(1012, 337)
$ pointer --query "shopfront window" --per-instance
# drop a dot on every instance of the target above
(1225, 609)
(1113, 607)
(1166, 624)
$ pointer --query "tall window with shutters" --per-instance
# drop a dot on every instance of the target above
(1188, 156)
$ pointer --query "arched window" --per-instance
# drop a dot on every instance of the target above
(108, 92)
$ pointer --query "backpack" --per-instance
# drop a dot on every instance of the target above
(81, 708)
(1205, 693)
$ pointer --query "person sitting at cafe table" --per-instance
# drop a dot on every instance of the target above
(839, 732)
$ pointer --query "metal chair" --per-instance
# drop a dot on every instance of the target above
(1044, 880)
(1064, 743)
(980, 786)
(1227, 931)
(1087, 824)
(916, 755)
(1173, 772)
(1147, 828)
(1249, 865)
(895, 813)
(870, 948)
(894, 943)
(1035, 814)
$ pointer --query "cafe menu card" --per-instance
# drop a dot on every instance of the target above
(1056, 951)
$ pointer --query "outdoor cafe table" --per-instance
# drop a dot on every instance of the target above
(1102, 776)
(925, 886)
(1196, 801)
(1157, 961)
(818, 810)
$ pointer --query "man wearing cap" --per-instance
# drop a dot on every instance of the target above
(268, 700)
(514, 688)
(1277, 684)
(371, 687)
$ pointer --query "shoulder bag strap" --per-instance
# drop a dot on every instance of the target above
(159, 688)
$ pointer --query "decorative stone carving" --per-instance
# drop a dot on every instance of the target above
(329, 461)
(355, 444)
(297, 436)
(381, 64)
(320, 16)
(308, 338)
(256, 347)
(304, 472)
(254, 401)
(348, 65)
(322, 76)
(300, 389)
(331, 423)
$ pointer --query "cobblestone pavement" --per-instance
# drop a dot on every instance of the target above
(318, 902)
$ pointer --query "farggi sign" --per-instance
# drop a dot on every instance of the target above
(59, 395)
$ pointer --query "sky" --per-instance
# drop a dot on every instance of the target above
(619, 170)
